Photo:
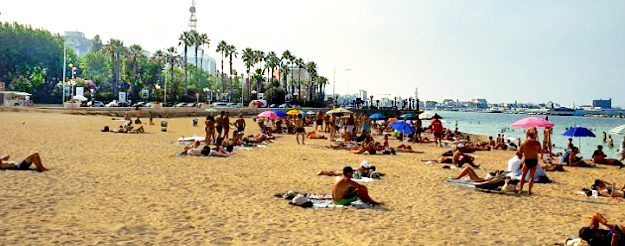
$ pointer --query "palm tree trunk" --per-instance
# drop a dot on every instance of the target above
(198, 70)
(201, 61)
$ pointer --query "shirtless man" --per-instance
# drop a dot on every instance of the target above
(218, 122)
(240, 124)
(346, 191)
(319, 121)
(299, 129)
(326, 120)
(595, 236)
(530, 148)
(24, 165)
(225, 123)
(599, 157)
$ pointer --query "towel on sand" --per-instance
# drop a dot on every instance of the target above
(320, 201)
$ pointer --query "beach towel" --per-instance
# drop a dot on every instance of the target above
(318, 201)
(190, 140)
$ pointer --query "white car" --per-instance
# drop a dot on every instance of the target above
(220, 105)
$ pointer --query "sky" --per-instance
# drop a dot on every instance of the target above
(565, 51)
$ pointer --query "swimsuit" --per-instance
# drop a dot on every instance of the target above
(300, 130)
(24, 166)
(530, 163)
(319, 122)
(347, 198)
(241, 129)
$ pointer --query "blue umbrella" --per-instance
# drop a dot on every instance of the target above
(578, 132)
(377, 117)
(280, 113)
(407, 116)
(403, 127)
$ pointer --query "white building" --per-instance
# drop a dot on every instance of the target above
(208, 63)
(77, 41)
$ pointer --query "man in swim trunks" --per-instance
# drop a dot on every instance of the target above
(299, 129)
(225, 123)
(24, 165)
(530, 149)
(218, 122)
(240, 124)
(346, 191)
(614, 235)
(319, 121)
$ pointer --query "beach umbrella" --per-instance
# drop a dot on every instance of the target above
(310, 113)
(407, 116)
(339, 110)
(578, 132)
(403, 127)
(427, 115)
(618, 130)
(377, 117)
(533, 122)
(280, 113)
(269, 115)
(294, 112)
(392, 119)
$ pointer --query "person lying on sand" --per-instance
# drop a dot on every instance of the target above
(470, 173)
(613, 236)
(313, 135)
(346, 191)
(128, 128)
(605, 189)
(23, 165)
(364, 170)
(600, 158)
(197, 150)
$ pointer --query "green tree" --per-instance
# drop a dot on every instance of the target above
(300, 64)
(173, 59)
(230, 52)
(311, 68)
(222, 47)
(96, 44)
(248, 60)
(116, 50)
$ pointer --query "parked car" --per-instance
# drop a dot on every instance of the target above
(285, 105)
(273, 106)
(180, 105)
(138, 104)
(123, 104)
(232, 105)
(95, 104)
(220, 105)
(112, 104)
(190, 105)
(169, 104)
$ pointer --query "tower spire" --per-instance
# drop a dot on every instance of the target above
(192, 19)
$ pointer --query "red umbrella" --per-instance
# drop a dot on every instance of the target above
(533, 122)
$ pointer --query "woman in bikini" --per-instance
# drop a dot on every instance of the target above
(209, 129)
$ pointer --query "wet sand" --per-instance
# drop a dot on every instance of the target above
(130, 189)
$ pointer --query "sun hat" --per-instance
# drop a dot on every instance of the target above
(365, 164)
(299, 200)
(460, 145)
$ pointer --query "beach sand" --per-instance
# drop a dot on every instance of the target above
(106, 188)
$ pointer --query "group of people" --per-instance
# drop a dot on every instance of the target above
(215, 126)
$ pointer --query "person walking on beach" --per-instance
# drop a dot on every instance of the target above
(437, 129)
(299, 129)
(530, 148)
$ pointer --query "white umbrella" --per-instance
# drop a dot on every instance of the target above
(618, 130)
(80, 98)
(426, 115)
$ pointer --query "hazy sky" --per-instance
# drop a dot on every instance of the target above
(532, 51)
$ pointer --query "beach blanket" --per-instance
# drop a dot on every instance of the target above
(190, 140)
(321, 201)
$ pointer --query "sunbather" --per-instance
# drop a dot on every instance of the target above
(578, 161)
(600, 158)
(313, 135)
(364, 170)
(24, 165)
(346, 191)
(614, 236)
(469, 172)
(460, 158)
(367, 146)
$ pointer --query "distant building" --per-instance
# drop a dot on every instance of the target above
(604, 104)
(77, 41)
(479, 103)
(430, 104)
(207, 63)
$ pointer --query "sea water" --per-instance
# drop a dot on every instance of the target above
(490, 124)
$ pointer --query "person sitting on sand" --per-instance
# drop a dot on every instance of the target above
(613, 236)
(577, 161)
(346, 191)
(470, 173)
(599, 157)
(138, 120)
(460, 158)
(368, 145)
(364, 170)
(24, 164)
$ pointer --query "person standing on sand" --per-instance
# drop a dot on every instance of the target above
(225, 123)
(218, 122)
(437, 129)
(621, 151)
(547, 140)
(319, 121)
(326, 120)
(530, 148)
(346, 191)
(299, 129)
(209, 129)
(240, 124)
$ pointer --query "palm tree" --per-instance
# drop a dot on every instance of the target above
(159, 58)
(222, 47)
(311, 68)
(259, 57)
(201, 41)
(231, 51)
(186, 39)
(172, 58)
(320, 82)
(300, 64)
(115, 48)
(272, 62)
(248, 59)
(135, 54)
(287, 57)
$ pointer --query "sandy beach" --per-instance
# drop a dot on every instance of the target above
(130, 189)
